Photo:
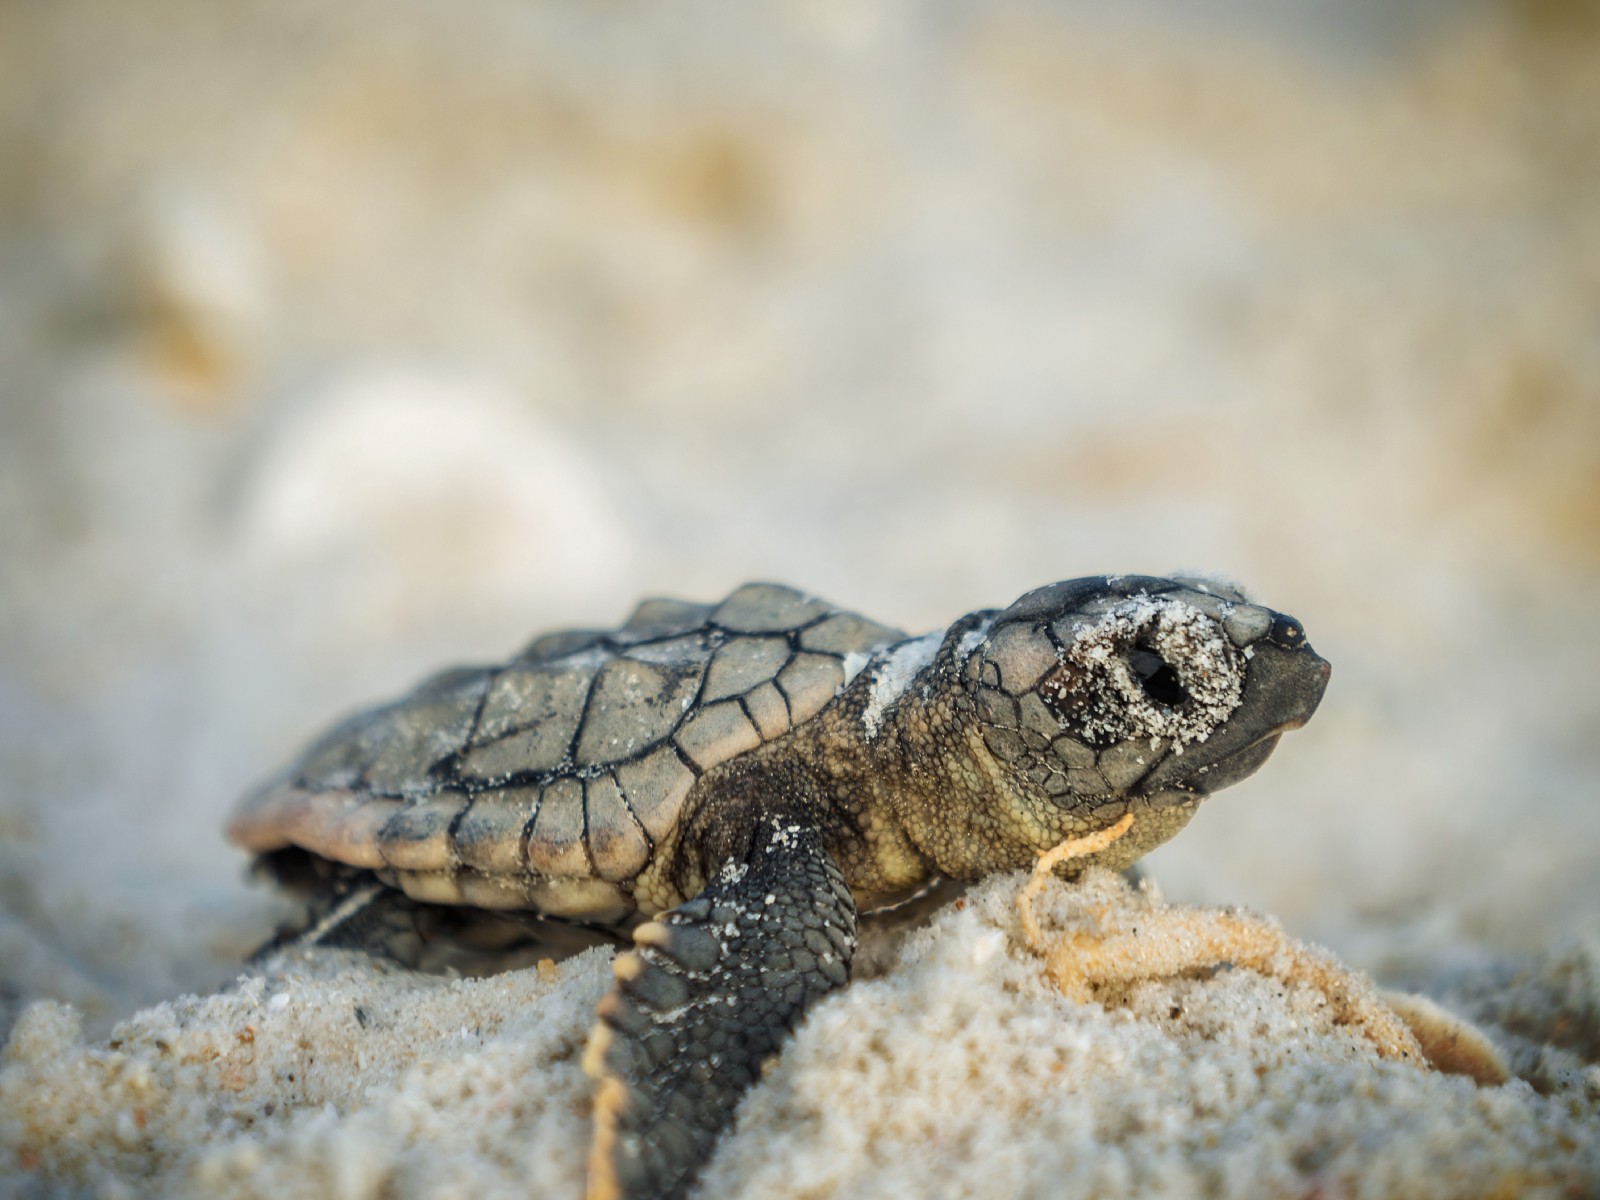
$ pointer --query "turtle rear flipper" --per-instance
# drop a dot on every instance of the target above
(708, 994)
(354, 913)
(351, 909)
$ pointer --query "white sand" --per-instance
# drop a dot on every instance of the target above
(338, 343)
(961, 1072)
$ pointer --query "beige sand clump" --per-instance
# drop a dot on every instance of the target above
(968, 1072)
(328, 1078)
(1102, 951)
(964, 1070)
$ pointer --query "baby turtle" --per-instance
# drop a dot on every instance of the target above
(734, 782)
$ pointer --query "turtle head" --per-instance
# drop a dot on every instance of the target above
(1100, 696)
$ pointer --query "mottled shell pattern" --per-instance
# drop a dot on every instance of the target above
(548, 781)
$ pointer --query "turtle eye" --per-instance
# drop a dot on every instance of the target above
(1157, 677)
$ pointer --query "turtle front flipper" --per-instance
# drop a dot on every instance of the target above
(709, 992)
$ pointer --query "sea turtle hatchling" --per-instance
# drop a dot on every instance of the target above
(734, 782)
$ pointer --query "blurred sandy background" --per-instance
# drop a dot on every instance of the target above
(338, 342)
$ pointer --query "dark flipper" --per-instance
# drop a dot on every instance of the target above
(347, 909)
(708, 994)
(351, 909)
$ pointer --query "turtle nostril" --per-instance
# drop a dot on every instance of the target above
(1286, 632)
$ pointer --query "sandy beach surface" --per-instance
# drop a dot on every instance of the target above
(340, 344)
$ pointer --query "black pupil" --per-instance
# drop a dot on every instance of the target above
(1156, 676)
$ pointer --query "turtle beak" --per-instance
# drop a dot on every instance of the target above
(1311, 695)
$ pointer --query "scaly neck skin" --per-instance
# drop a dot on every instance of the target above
(943, 785)
(857, 781)
(913, 783)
